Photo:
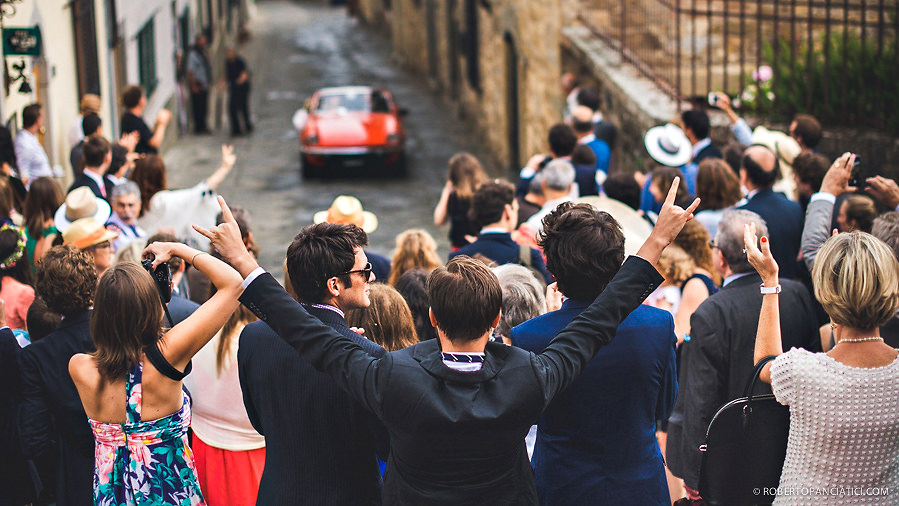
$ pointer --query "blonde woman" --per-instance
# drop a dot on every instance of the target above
(844, 405)
(415, 249)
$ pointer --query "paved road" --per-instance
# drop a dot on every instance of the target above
(298, 47)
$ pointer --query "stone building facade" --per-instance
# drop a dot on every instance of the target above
(498, 61)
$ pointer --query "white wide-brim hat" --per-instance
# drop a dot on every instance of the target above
(347, 210)
(81, 203)
(635, 229)
(668, 145)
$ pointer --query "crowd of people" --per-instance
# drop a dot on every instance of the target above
(572, 349)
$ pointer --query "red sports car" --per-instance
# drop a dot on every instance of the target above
(352, 130)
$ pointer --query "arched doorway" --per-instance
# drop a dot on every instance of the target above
(512, 102)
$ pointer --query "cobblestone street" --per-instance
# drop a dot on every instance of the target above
(296, 48)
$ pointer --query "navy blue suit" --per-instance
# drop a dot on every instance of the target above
(784, 219)
(596, 440)
(319, 446)
(53, 428)
(180, 308)
(500, 248)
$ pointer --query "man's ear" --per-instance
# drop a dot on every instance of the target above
(334, 286)
(496, 320)
(432, 317)
(182, 267)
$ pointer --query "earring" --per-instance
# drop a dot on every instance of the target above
(833, 325)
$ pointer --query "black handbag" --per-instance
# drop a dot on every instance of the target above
(744, 449)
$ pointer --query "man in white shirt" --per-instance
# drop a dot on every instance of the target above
(30, 155)
(97, 157)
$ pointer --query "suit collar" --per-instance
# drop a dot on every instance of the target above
(750, 279)
(74, 320)
(495, 236)
(427, 354)
(327, 316)
(575, 304)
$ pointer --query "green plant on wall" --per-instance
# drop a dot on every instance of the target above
(854, 72)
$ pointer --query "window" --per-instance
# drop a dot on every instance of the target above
(472, 45)
(146, 57)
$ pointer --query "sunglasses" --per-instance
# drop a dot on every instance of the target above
(366, 271)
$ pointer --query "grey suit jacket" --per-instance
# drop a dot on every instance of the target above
(816, 230)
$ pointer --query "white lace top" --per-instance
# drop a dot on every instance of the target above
(844, 430)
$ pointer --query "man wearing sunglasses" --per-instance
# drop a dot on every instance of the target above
(320, 444)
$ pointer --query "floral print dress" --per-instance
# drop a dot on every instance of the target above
(144, 463)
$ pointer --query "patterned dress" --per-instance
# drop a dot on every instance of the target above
(144, 463)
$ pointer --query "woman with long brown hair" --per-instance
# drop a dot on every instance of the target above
(387, 321)
(43, 199)
(415, 249)
(131, 387)
(178, 209)
(224, 438)
(464, 176)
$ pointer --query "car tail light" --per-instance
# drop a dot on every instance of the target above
(312, 139)
(393, 138)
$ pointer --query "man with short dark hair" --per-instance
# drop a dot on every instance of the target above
(199, 75)
(320, 444)
(808, 173)
(596, 440)
(135, 101)
(807, 132)
(697, 128)
(603, 128)
(457, 408)
(97, 156)
(717, 362)
(562, 141)
(91, 124)
(495, 210)
(30, 155)
(759, 170)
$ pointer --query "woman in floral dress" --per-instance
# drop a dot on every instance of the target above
(131, 386)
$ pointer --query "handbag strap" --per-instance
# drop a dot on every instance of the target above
(750, 387)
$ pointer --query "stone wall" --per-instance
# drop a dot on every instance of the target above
(431, 36)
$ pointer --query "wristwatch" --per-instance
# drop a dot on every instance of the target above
(769, 290)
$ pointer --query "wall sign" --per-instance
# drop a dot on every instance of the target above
(22, 41)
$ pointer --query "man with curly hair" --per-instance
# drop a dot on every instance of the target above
(53, 428)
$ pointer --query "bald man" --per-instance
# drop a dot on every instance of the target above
(582, 124)
(759, 170)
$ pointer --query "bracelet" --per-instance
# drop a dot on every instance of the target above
(765, 290)
(196, 255)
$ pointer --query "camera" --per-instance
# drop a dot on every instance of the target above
(162, 275)
(853, 179)
(713, 98)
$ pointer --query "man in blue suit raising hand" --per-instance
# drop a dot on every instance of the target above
(596, 439)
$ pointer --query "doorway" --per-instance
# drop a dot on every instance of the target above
(512, 102)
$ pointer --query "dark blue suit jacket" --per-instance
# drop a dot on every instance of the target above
(53, 428)
(596, 440)
(320, 449)
(500, 248)
(784, 219)
(180, 308)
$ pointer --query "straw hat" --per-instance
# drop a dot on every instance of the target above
(786, 149)
(668, 145)
(347, 210)
(87, 232)
(81, 203)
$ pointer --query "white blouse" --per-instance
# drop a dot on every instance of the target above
(219, 416)
(844, 430)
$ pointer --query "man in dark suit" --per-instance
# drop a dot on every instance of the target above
(97, 156)
(457, 408)
(759, 171)
(596, 440)
(697, 128)
(495, 210)
(716, 364)
(53, 429)
(320, 447)
(15, 479)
